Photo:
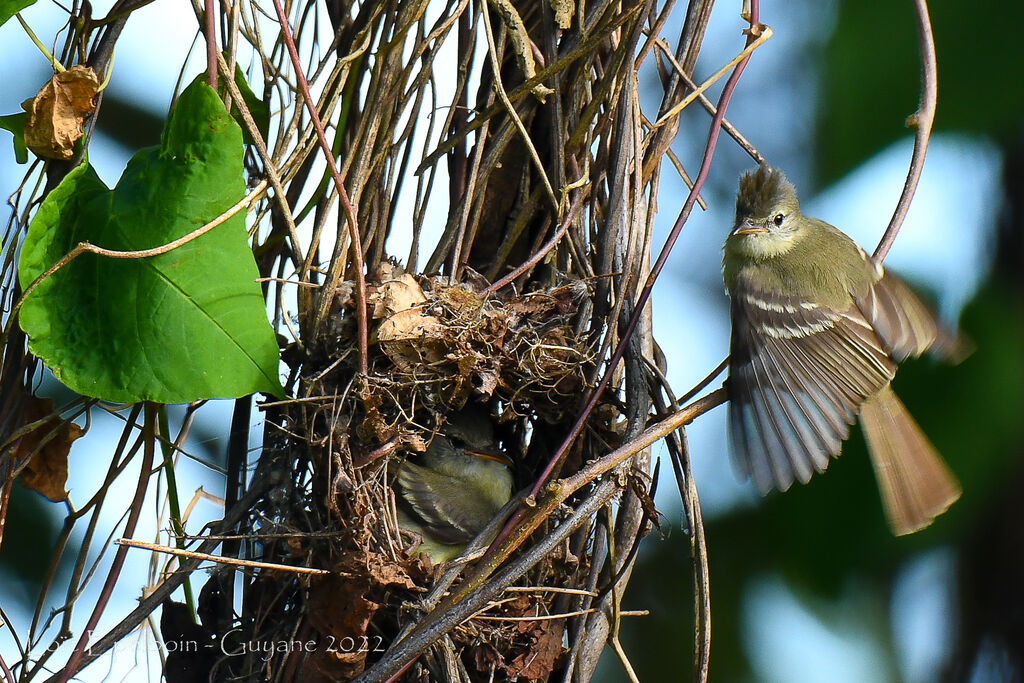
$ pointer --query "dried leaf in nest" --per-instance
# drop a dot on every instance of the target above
(544, 650)
(338, 609)
(460, 300)
(387, 573)
(47, 471)
(341, 608)
(396, 295)
(546, 303)
(408, 334)
(376, 428)
(409, 325)
(537, 645)
(58, 111)
(452, 342)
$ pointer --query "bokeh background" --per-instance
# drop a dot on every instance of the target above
(805, 586)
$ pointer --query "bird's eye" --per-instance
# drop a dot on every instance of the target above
(778, 219)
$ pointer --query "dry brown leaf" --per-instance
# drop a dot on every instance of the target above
(58, 111)
(488, 381)
(394, 296)
(339, 610)
(460, 300)
(409, 324)
(387, 573)
(47, 471)
(545, 649)
(388, 270)
(487, 658)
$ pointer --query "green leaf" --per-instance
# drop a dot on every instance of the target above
(8, 8)
(255, 105)
(16, 124)
(185, 325)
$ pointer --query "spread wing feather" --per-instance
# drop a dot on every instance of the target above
(798, 376)
(904, 323)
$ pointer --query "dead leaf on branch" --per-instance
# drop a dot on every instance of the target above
(340, 611)
(58, 111)
(538, 644)
(47, 471)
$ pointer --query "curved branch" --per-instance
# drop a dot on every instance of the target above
(922, 120)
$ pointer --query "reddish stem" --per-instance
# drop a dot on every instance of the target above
(357, 248)
(211, 46)
(71, 667)
(659, 264)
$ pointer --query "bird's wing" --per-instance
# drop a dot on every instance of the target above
(445, 506)
(798, 374)
(906, 326)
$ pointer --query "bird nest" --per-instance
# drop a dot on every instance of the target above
(436, 347)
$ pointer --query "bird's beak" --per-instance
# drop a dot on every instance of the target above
(496, 457)
(745, 227)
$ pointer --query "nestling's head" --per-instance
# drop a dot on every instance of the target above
(767, 214)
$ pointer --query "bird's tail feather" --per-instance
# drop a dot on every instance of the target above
(916, 485)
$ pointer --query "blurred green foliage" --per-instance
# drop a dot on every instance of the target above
(870, 73)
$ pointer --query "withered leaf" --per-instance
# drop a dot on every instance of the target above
(338, 608)
(57, 112)
(387, 573)
(398, 295)
(47, 471)
(545, 649)
(409, 323)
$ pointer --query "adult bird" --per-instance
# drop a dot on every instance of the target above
(817, 330)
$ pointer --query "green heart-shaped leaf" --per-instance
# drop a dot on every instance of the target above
(185, 325)
(8, 8)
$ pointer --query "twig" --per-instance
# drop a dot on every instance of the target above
(623, 659)
(699, 387)
(709, 107)
(922, 121)
(220, 559)
(57, 66)
(542, 172)
(327, 293)
(145, 471)
(743, 56)
(8, 676)
(210, 31)
(269, 166)
(539, 254)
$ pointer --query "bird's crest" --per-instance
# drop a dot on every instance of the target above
(764, 191)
